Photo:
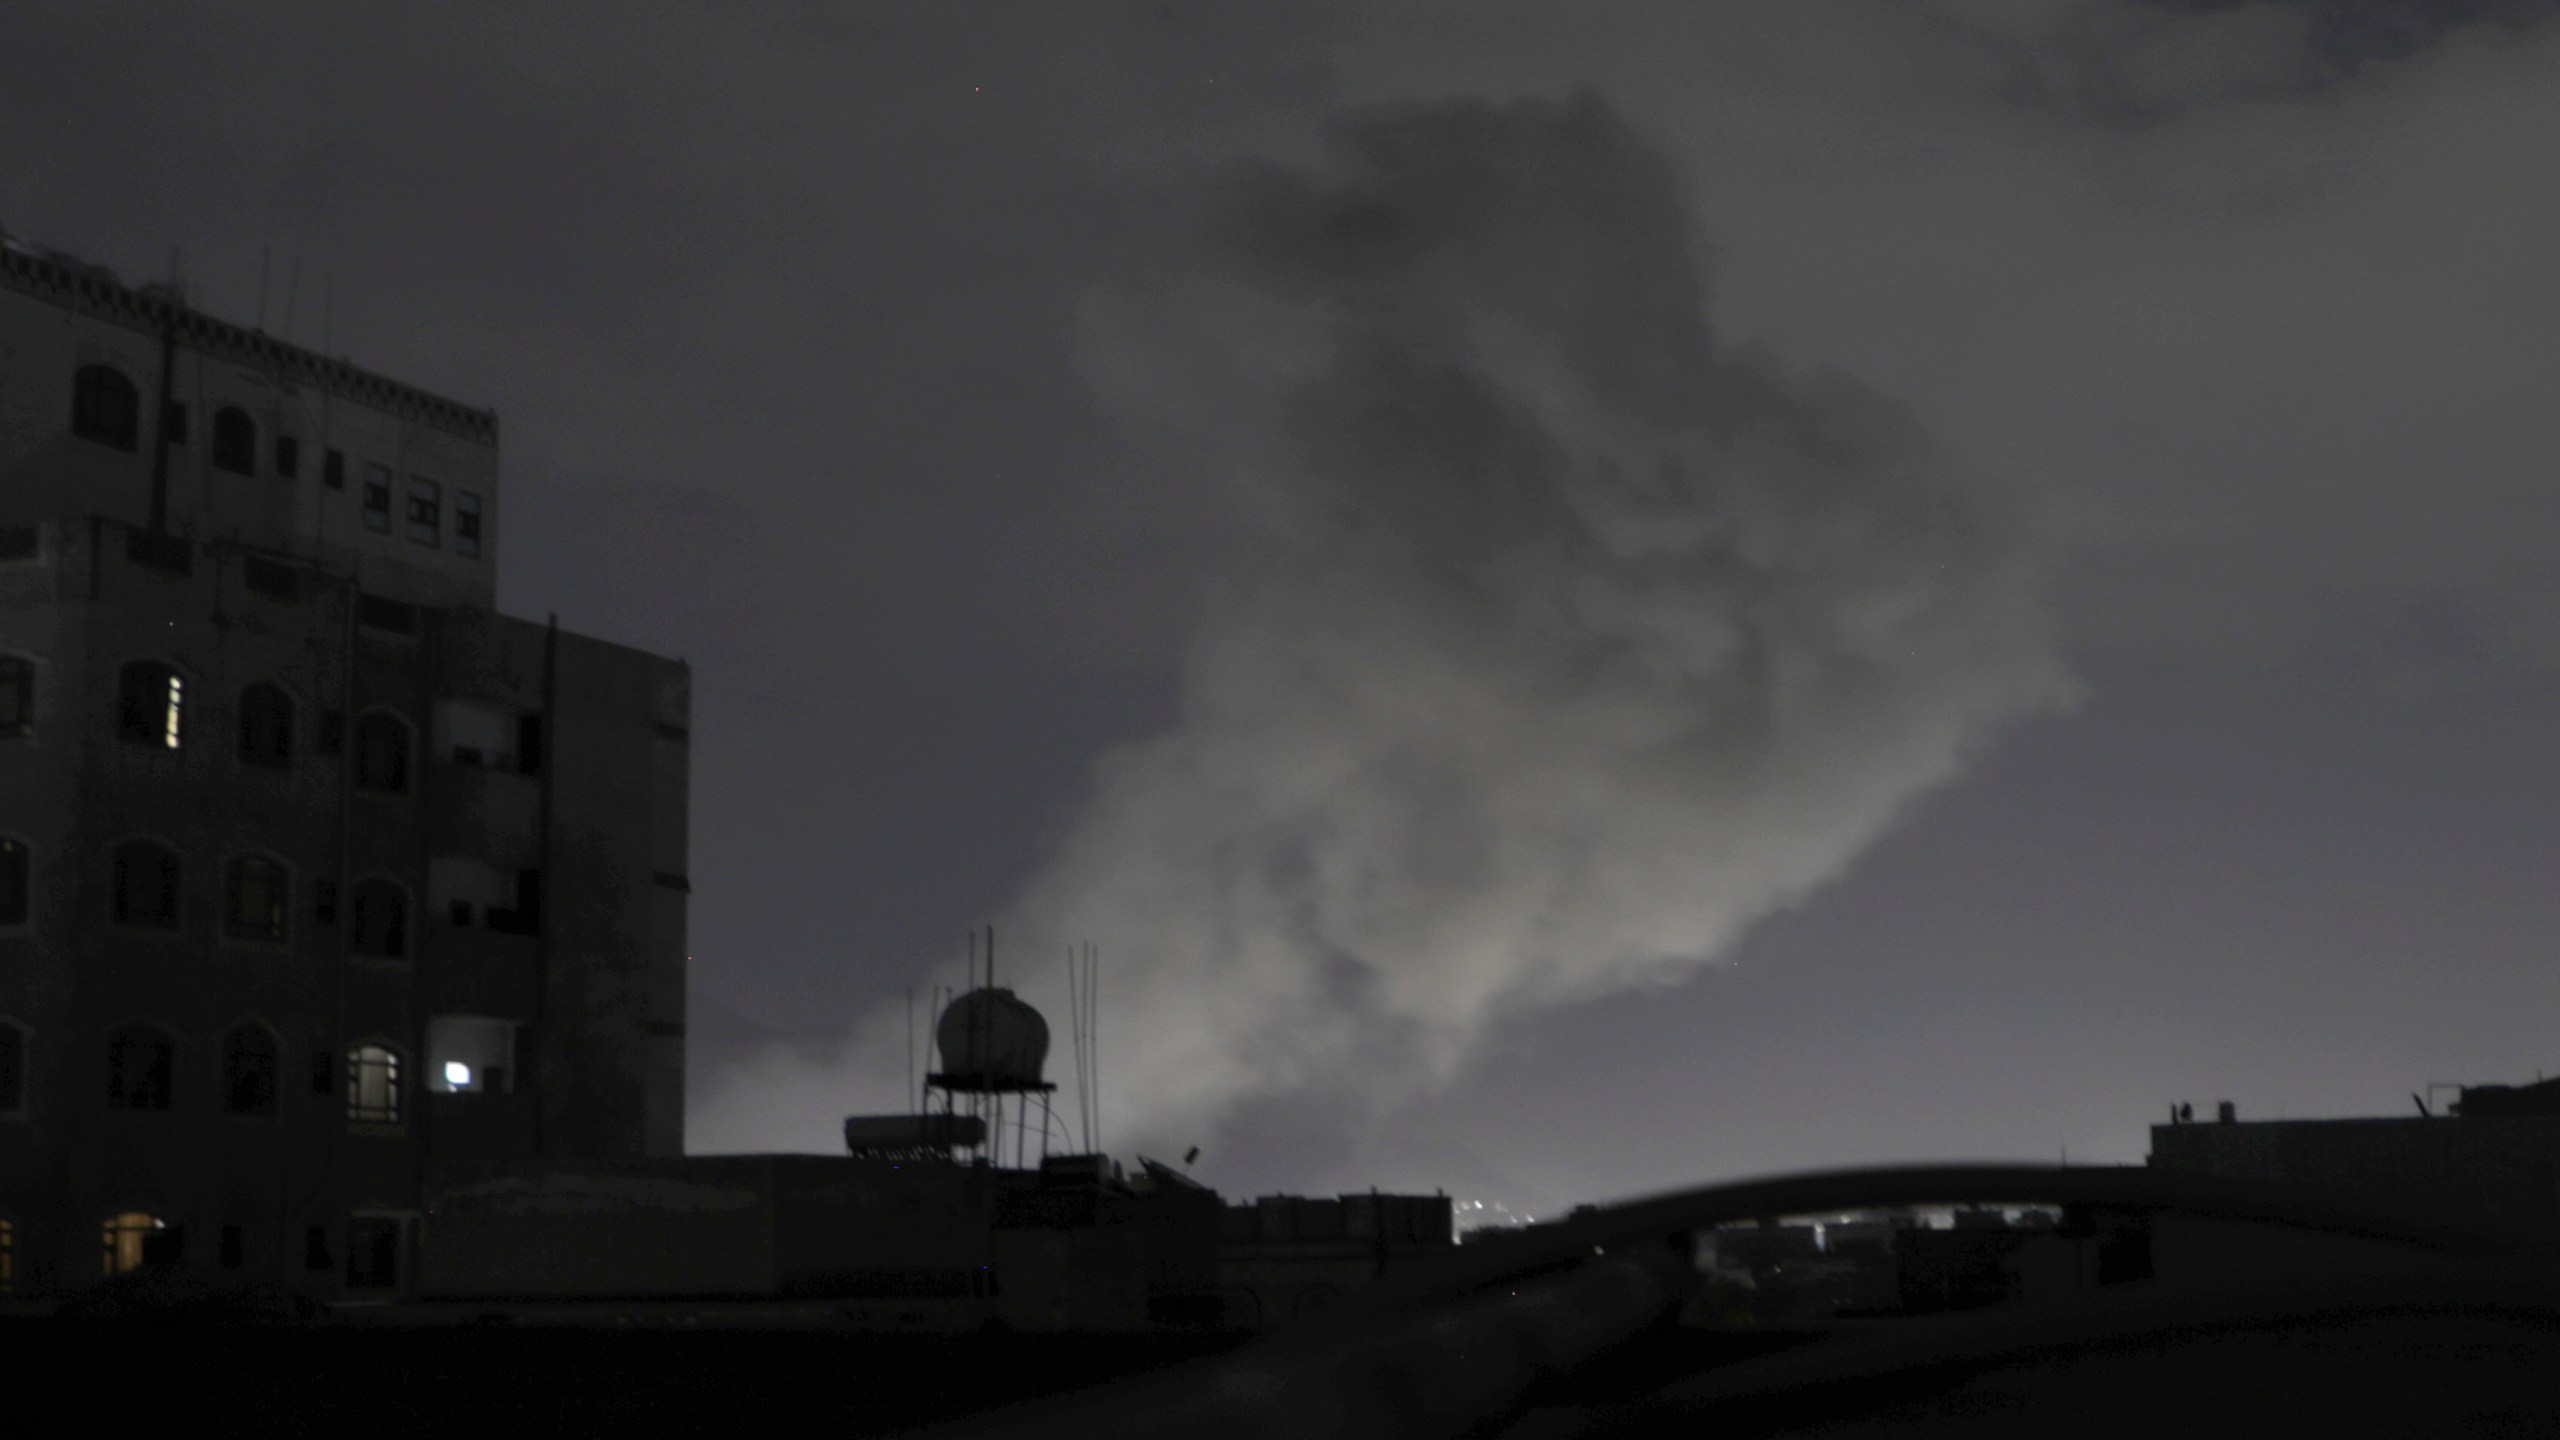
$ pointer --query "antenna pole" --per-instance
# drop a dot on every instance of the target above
(292, 292)
(266, 258)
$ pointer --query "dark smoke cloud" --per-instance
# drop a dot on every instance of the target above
(1560, 642)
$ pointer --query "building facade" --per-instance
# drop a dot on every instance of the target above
(321, 882)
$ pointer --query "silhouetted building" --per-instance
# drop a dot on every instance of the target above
(320, 881)
(1285, 1257)
(2494, 1155)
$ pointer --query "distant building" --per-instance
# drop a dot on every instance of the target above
(1286, 1257)
(2494, 1155)
(320, 881)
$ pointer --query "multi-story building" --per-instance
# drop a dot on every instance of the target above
(321, 882)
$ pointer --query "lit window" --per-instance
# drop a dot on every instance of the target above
(426, 509)
(15, 882)
(466, 524)
(373, 1085)
(266, 725)
(254, 897)
(235, 441)
(151, 708)
(105, 407)
(377, 498)
(138, 1066)
(470, 1054)
(146, 885)
(249, 1071)
(125, 1235)
(17, 696)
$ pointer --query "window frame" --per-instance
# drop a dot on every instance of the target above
(267, 700)
(399, 932)
(231, 1051)
(377, 487)
(372, 721)
(117, 914)
(169, 731)
(16, 1041)
(17, 693)
(466, 524)
(87, 421)
(18, 870)
(233, 447)
(424, 513)
(165, 1073)
(371, 1062)
(280, 902)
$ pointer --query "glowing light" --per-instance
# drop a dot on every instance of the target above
(177, 693)
(456, 1074)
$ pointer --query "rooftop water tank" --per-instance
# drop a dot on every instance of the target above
(991, 1041)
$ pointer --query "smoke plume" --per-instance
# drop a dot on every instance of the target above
(1561, 640)
(1568, 641)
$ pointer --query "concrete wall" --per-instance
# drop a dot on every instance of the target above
(767, 1225)
(55, 322)
(2504, 1169)
(597, 989)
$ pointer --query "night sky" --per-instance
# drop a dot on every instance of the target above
(1579, 598)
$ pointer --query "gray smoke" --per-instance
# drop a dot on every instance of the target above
(1562, 641)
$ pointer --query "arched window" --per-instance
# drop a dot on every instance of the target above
(17, 696)
(13, 1067)
(255, 892)
(373, 1084)
(235, 441)
(146, 885)
(266, 725)
(151, 705)
(381, 914)
(105, 407)
(8, 1258)
(126, 1235)
(249, 1070)
(382, 753)
(15, 880)
(140, 1059)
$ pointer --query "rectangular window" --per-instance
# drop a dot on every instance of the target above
(17, 696)
(272, 579)
(288, 455)
(21, 542)
(315, 1248)
(324, 901)
(466, 524)
(234, 1244)
(13, 1069)
(322, 1072)
(377, 498)
(379, 612)
(174, 421)
(333, 470)
(16, 880)
(426, 511)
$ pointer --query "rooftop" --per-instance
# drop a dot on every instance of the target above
(95, 290)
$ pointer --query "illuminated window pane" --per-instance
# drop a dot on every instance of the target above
(124, 1236)
(373, 1085)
